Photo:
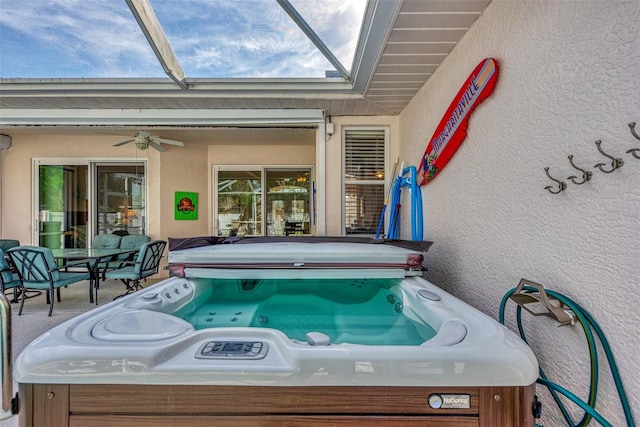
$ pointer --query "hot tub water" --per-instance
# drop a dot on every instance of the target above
(355, 311)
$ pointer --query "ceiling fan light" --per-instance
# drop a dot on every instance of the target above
(143, 140)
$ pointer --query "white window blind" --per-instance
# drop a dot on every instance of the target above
(364, 179)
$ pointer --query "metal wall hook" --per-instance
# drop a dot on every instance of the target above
(561, 184)
(634, 151)
(632, 127)
(615, 162)
(586, 175)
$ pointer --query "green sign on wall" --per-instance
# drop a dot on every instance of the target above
(186, 205)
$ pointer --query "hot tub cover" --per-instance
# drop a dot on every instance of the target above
(299, 252)
(195, 242)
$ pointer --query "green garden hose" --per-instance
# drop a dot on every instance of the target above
(589, 325)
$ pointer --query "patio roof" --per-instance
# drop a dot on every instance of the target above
(400, 44)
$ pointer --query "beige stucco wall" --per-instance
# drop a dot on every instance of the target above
(180, 169)
(17, 192)
(177, 169)
(187, 168)
(569, 75)
(262, 147)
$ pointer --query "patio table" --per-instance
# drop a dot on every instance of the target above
(95, 256)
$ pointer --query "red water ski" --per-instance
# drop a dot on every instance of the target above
(452, 129)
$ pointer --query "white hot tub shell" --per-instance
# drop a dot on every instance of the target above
(137, 344)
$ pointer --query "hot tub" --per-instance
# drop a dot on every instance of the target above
(296, 330)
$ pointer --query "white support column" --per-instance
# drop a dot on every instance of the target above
(5, 144)
(1, 210)
(320, 181)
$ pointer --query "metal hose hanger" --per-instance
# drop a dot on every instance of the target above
(592, 331)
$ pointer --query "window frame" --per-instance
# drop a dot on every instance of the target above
(215, 222)
(91, 163)
(93, 195)
(385, 182)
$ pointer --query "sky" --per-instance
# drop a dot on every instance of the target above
(211, 38)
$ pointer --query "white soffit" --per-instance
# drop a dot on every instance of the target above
(159, 117)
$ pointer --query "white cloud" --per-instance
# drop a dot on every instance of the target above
(88, 38)
(212, 38)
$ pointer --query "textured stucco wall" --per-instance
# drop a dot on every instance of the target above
(570, 75)
(177, 169)
(18, 213)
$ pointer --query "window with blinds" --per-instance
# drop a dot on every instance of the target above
(364, 166)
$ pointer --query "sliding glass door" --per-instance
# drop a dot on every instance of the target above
(246, 196)
(120, 199)
(288, 201)
(62, 206)
(240, 202)
(76, 201)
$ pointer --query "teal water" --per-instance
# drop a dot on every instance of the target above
(357, 311)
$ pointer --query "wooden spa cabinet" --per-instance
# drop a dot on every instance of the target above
(115, 405)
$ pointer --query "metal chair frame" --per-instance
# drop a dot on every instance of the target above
(146, 264)
(8, 276)
(37, 269)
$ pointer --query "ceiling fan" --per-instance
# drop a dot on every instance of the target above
(143, 141)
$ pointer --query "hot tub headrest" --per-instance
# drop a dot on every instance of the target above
(451, 332)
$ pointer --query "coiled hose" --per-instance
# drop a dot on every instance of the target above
(589, 325)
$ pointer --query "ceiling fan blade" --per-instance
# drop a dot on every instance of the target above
(157, 146)
(168, 141)
(123, 142)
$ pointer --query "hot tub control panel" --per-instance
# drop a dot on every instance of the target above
(232, 350)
